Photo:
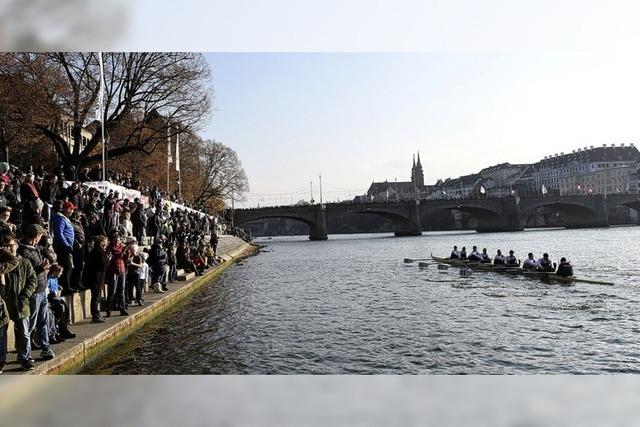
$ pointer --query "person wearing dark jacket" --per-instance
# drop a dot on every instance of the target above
(7, 263)
(78, 250)
(157, 262)
(20, 284)
(565, 269)
(95, 278)
(138, 221)
(38, 321)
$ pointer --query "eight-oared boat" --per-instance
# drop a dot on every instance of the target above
(515, 270)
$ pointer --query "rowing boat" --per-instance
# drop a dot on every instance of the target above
(516, 270)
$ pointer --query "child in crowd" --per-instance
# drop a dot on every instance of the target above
(58, 305)
(143, 276)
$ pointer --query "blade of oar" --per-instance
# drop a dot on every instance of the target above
(593, 282)
(410, 260)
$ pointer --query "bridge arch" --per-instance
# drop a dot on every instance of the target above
(312, 216)
(574, 212)
(403, 216)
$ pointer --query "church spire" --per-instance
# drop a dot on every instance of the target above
(414, 161)
(419, 165)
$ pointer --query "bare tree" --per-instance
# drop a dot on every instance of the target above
(24, 101)
(147, 97)
(220, 174)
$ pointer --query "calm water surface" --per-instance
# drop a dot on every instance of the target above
(351, 306)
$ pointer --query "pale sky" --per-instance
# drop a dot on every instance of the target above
(479, 83)
(357, 117)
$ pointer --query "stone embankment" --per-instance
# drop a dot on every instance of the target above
(95, 339)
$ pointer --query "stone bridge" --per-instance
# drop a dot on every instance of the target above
(492, 214)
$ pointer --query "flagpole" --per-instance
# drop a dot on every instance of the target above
(101, 98)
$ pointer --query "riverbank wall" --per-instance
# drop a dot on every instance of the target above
(96, 339)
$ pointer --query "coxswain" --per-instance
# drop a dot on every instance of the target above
(565, 269)
(545, 264)
(511, 259)
(499, 259)
(486, 259)
(454, 253)
(529, 263)
(463, 253)
(475, 256)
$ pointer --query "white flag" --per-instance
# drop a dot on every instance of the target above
(544, 189)
(169, 157)
(482, 190)
(177, 153)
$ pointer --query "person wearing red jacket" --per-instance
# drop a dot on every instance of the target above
(117, 257)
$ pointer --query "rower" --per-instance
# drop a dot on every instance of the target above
(565, 269)
(499, 259)
(475, 256)
(529, 263)
(486, 259)
(454, 253)
(511, 260)
(545, 264)
(463, 253)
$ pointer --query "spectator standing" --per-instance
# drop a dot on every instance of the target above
(95, 278)
(138, 221)
(77, 219)
(20, 284)
(157, 262)
(63, 242)
(7, 263)
(115, 274)
(38, 321)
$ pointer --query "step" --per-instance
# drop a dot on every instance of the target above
(185, 277)
(180, 272)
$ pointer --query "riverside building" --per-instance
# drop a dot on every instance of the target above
(601, 170)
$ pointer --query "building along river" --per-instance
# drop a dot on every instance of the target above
(350, 305)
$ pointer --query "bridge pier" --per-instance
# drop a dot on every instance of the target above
(318, 229)
(412, 227)
(510, 220)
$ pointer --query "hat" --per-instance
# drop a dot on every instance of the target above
(34, 229)
(511, 251)
(131, 239)
(68, 206)
(4, 209)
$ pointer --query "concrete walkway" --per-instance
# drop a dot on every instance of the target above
(94, 339)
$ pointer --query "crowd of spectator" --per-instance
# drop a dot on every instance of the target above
(58, 237)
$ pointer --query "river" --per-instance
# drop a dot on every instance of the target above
(350, 305)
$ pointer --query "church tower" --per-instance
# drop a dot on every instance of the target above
(417, 175)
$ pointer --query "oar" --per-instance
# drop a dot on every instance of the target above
(593, 282)
(409, 260)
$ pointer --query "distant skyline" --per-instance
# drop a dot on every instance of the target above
(359, 117)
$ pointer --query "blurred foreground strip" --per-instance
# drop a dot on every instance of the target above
(38, 25)
(320, 401)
